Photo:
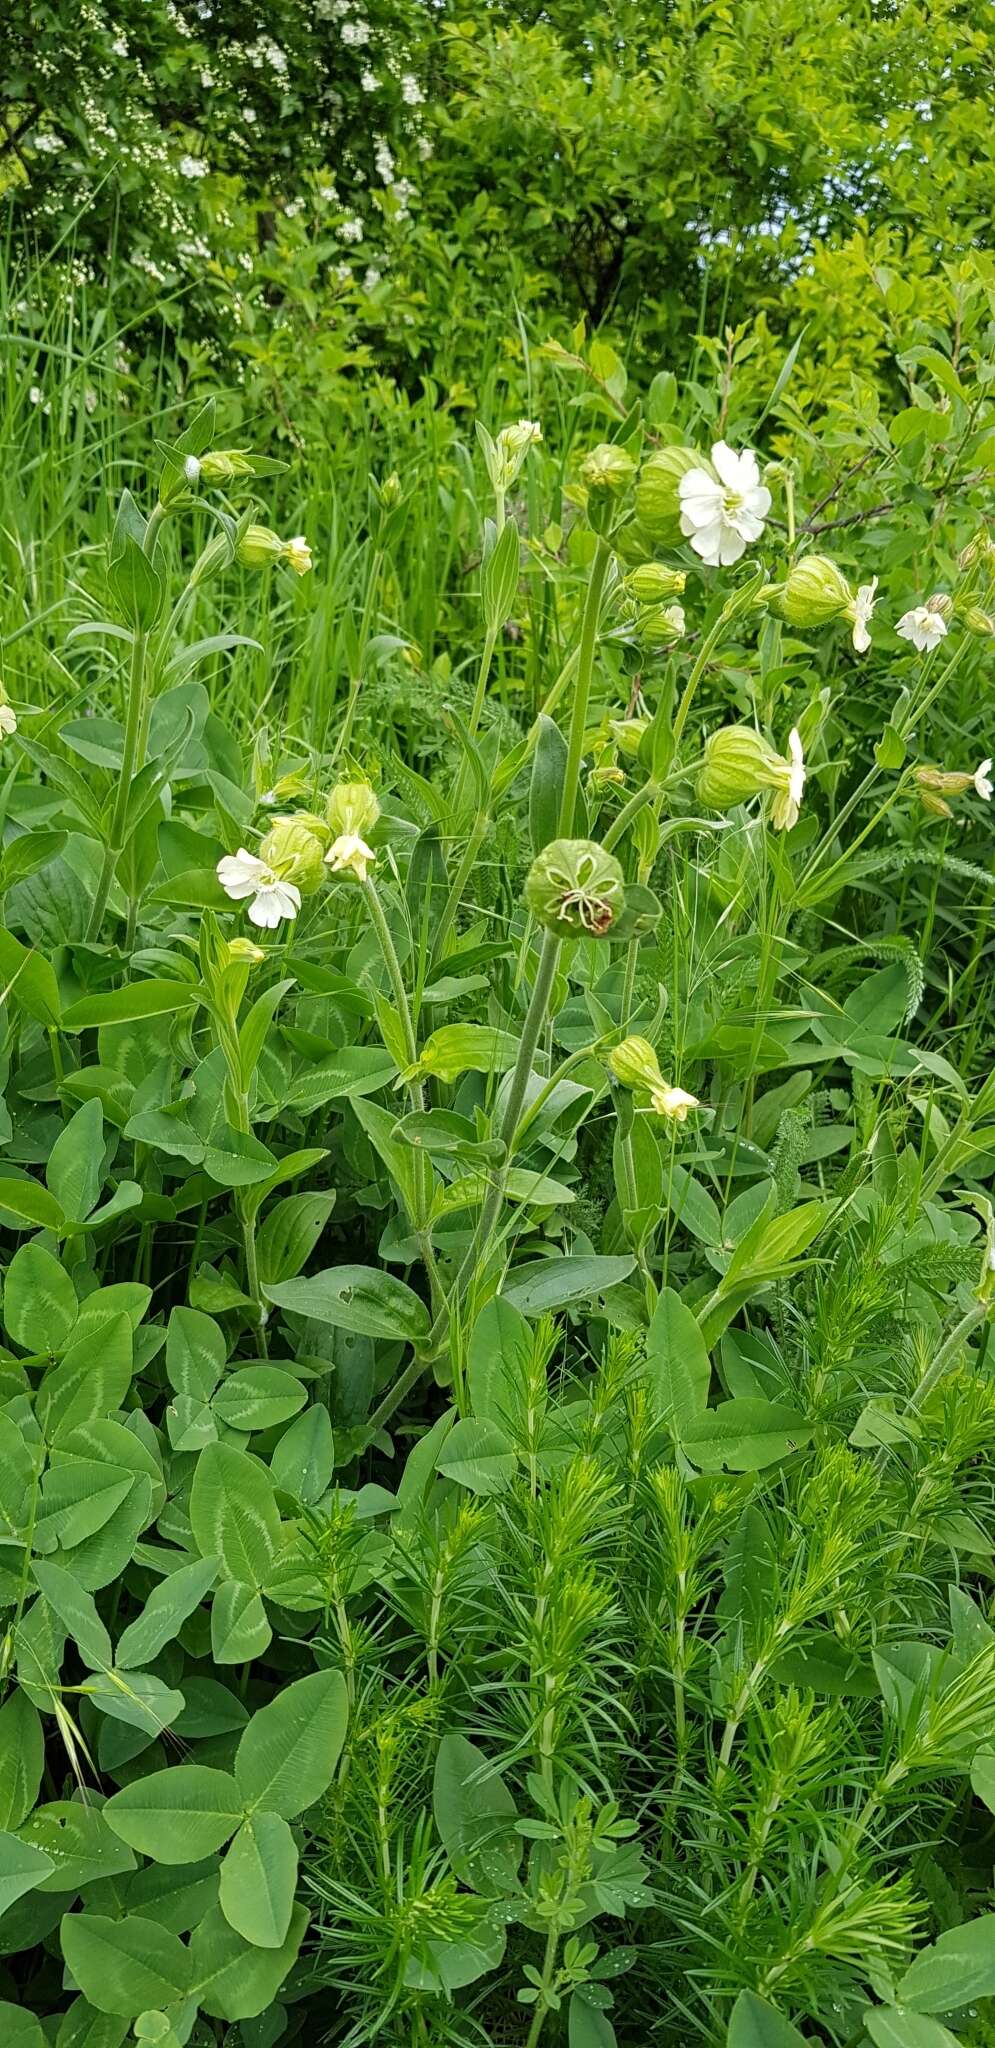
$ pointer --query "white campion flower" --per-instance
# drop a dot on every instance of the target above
(924, 625)
(724, 507)
(350, 855)
(297, 555)
(863, 606)
(787, 802)
(673, 1103)
(8, 723)
(982, 780)
(243, 875)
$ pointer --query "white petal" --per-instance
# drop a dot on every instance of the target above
(981, 781)
(758, 501)
(732, 546)
(699, 495)
(707, 543)
(746, 522)
(240, 873)
(729, 467)
(749, 473)
(796, 780)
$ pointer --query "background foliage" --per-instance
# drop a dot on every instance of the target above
(483, 1560)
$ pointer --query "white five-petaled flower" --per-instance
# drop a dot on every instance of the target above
(349, 854)
(673, 1103)
(243, 875)
(863, 606)
(8, 722)
(723, 508)
(923, 625)
(983, 782)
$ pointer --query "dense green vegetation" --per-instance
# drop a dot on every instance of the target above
(497, 1119)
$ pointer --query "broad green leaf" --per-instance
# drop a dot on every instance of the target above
(478, 1455)
(137, 999)
(475, 1815)
(355, 1070)
(39, 1300)
(22, 1759)
(895, 2026)
(233, 1514)
(956, 1969)
(287, 1756)
(457, 1049)
(20, 2029)
(126, 1966)
(360, 1298)
(30, 980)
(78, 1843)
(755, 2024)
(500, 1346)
(289, 1232)
(74, 1170)
(258, 1880)
(745, 1435)
(678, 1368)
(232, 1979)
(177, 1815)
(258, 1397)
(195, 1353)
(588, 2026)
(91, 1379)
(77, 1613)
(240, 1629)
(168, 1606)
(304, 1459)
(556, 1283)
(26, 1205)
(22, 1867)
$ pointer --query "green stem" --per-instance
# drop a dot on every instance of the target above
(532, 1028)
(582, 689)
(130, 764)
(460, 880)
(422, 1168)
(620, 825)
(704, 655)
(548, 1971)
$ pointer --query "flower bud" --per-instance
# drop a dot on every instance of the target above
(294, 854)
(352, 807)
(260, 545)
(814, 592)
(627, 733)
(657, 499)
(608, 470)
(389, 491)
(980, 549)
(242, 953)
(223, 465)
(978, 621)
(738, 764)
(310, 821)
(635, 1064)
(930, 784)
(576, 889)
(660, 625)
(652, 583)
(192, 468)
